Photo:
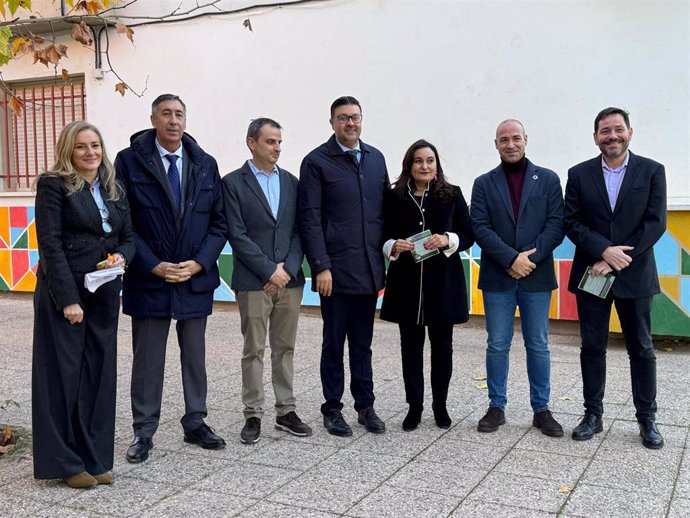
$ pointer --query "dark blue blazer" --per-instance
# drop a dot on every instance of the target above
(638, 220)
(539, 225)
(162, 234)
(259, 241)
(341, 216)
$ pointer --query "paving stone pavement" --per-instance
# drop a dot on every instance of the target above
(459, 473)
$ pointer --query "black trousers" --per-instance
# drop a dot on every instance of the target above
(412, 348)
(351, 317)
(73, 383)
(149, 340)
(635, 319)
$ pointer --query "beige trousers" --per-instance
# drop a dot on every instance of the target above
(274, 314)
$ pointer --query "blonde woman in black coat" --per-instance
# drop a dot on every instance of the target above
(82, 218)
(430, 294)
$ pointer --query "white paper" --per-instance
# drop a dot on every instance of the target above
(96, 279)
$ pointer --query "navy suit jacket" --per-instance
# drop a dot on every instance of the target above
(341, 216)
(259, 241)
(501, 237)
(638, 220)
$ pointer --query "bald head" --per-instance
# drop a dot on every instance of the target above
(511, 122)
(511, 140)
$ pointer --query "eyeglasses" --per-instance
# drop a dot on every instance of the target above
(107, 227)
(343, 119)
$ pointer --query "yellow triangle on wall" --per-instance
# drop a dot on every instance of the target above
(5, 225)
(6, 266)
(477, 301)
(614, 321)
(27, 283)
(33, 240)
(677, 224)
(671, 287)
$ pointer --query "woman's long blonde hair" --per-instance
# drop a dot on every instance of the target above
(64, 169)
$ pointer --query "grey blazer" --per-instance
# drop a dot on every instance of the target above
(259, 241)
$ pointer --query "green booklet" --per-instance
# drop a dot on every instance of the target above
(420, 253)
(596, 285)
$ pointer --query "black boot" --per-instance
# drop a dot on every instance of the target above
(441, 416)
(413, 417)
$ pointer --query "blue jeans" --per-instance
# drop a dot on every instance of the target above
(499, 308)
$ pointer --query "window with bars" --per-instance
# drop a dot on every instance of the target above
(28, 141)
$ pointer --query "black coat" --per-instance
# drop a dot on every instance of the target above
(71, 239)
(638, 220)
(432, 292)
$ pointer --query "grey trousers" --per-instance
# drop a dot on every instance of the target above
(274, 314)
(149, 339)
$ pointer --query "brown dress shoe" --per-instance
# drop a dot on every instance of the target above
(81, 481)
(104, 478)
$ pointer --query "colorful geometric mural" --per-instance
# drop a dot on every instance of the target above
(18, 249)
(671, 313)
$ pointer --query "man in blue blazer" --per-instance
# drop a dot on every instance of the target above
(341, 224)
(517, 218)
(615, 210)
(260, 202)
(176, 202)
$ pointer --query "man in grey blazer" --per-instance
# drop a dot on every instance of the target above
(517, 218)
(260, 208)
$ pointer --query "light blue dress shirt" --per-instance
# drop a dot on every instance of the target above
(270, 185)
(613, 178)
(96, 193)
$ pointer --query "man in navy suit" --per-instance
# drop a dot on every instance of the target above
(517, 218)
(341, 224)
(260, 202)
(174, 193)
(615, 210)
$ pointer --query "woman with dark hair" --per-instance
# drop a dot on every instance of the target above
(428, 293)
(82, 219)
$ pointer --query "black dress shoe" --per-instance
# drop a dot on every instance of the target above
(336, 425)
(138, 451)
(204, 437)
(589, 425)
(371, 421)
(651, 438)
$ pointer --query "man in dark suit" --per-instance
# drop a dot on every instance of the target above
(615, 210)
(517, 218)
(261, 212)
(176, 201)
(341, 224)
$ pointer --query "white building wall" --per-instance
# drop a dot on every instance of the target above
(444, 70)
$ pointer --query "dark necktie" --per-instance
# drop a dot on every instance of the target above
(174, 179)
(353, 154)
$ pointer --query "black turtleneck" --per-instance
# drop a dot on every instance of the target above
(515, 174)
